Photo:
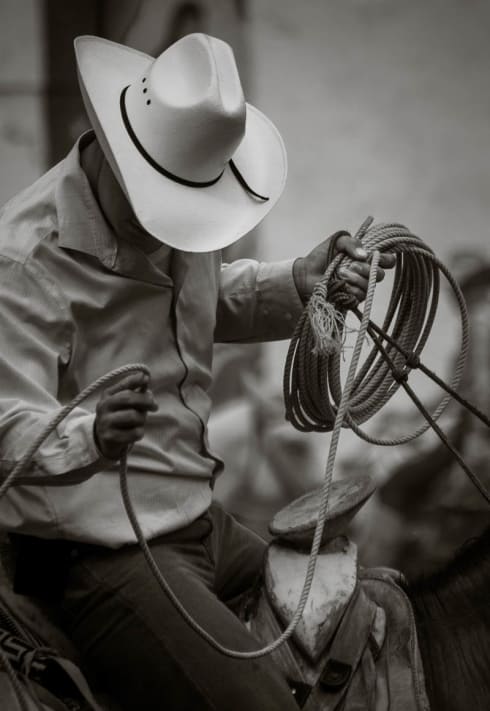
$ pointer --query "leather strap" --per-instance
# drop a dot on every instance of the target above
(346, 652)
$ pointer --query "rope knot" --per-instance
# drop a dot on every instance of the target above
(400, 375)
(412, 360)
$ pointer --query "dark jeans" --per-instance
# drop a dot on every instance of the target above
(137, 647)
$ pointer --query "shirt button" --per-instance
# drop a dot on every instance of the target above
(266, 312)
(288, 316)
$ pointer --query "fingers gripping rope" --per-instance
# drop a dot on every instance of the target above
(59, 416)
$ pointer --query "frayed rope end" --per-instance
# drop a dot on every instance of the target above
(328, 325)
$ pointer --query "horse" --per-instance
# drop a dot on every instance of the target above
(452, 616)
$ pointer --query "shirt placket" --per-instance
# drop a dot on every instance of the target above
(184, 279)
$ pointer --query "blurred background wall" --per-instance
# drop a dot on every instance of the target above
(385, 110)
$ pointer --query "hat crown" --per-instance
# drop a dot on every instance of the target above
(187, 110)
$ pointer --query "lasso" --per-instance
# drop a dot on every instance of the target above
(313, 392)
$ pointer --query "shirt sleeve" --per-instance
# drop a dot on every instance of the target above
(34, 349)
(258, 301)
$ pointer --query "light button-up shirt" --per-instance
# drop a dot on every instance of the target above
(77, 303)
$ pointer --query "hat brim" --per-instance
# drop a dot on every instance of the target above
(187, 218)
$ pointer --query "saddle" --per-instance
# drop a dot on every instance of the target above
(355, 647)
(46, 666)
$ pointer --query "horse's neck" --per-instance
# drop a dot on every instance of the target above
(452, 612)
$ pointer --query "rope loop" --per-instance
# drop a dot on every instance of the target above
(312, 382)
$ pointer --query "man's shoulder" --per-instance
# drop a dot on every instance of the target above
(29, 217)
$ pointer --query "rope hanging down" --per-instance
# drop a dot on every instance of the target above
(313, 393)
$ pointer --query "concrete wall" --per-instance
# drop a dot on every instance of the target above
(22, 128)
(384, 107)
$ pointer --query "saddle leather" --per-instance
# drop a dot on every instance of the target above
(332, 588)
(296, 523)
(400, 680)
(356, 647)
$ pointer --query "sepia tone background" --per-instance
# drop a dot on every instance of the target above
(384, 107)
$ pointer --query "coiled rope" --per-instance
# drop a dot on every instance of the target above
(312, 380)
(314, 396)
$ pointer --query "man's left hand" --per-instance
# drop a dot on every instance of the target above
(309, 270)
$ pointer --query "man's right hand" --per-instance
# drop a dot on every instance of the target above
(121, 415)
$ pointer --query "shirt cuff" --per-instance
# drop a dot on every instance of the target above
(278, 295)
(83, 449)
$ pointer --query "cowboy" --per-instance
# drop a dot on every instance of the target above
(112, 257)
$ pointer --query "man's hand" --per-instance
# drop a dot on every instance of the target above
(121, 415)
(307, 271)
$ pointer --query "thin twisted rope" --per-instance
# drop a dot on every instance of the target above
(403, 377)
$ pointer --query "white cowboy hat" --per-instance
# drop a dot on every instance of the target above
(199, 166)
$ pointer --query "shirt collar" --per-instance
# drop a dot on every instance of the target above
(83, 227)
(81, 224)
